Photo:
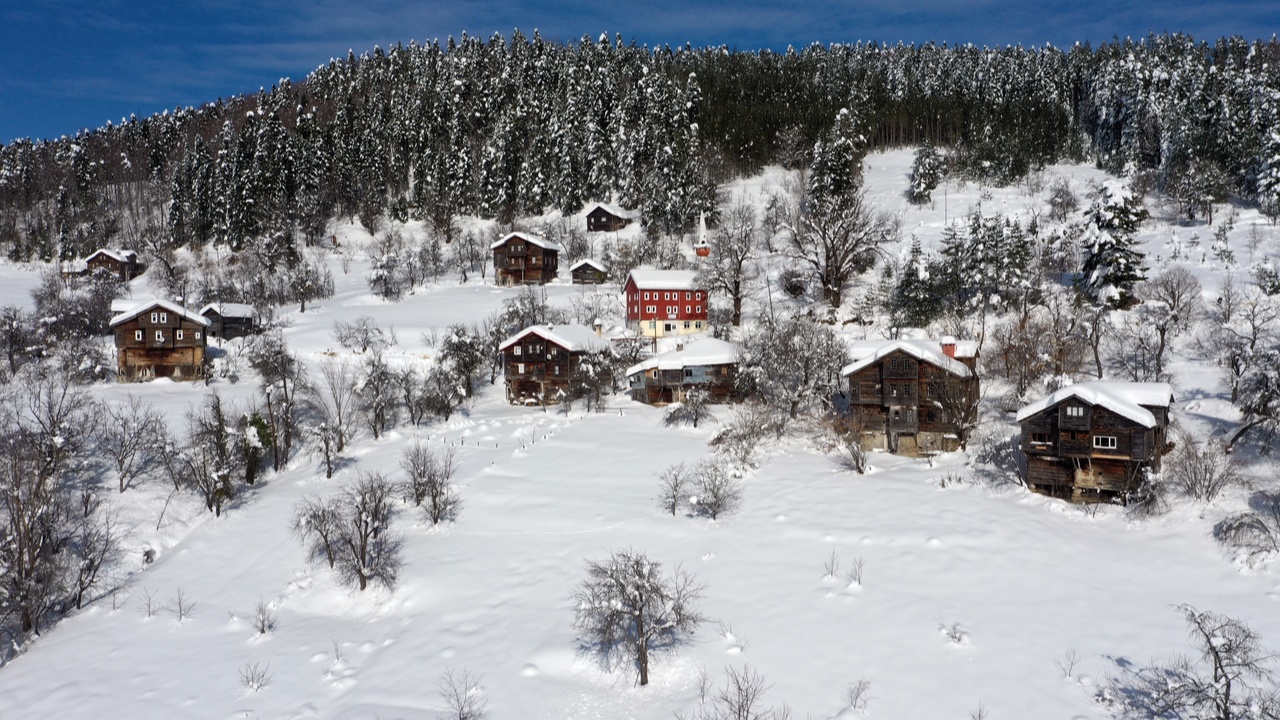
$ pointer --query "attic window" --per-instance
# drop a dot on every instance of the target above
(515, 350)
(164, 318)
(1075, 411)
(155, 318)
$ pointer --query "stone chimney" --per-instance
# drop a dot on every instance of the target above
(949, 346)
(599, 327)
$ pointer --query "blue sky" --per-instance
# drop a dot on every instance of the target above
(72, 64)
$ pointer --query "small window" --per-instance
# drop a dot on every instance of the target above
(520, 368)
(699, 296)
(688, 309)
(666, 296)
(653, 374)
(1038, 438)
(164, 318)
(197, 334)
(699, 309)
(177, 335)
(137, 335)
(646, 295)
(515, 350)
(687, 324)
(159, 336)
(556, 370)
(1075, 411)
(653, 324)
(554, 351)
(688, 372)
(155, 318)
(698, 324)
(1104, 442)
(688, 296)
(651, 308)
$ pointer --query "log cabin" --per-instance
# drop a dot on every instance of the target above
(665, 302)
(230, 320)
(707, 363)
(905, 396)
(588, 272)
(608, 218)
(159, 339)
(524, 259)
(542, 363)
(123, 263)
(1092, 442)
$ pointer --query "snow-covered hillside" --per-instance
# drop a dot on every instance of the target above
(973, 594)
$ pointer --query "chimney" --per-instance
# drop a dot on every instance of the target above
(599, 327)
(949, 346)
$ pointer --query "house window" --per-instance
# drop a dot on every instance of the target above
(515, 350)
(1039, 438)
(177, 335)
(653, 324)
(159, 336)
(164, 318)
(1075, 411)
(646, 296)
(520, 368)
(699, 309)
(651, 308)
(155, 318)
(554, 351)
(699, 297)
(698, 324)
(653, 374)
(197, 334)
(688, 372)
(687, 324)
(1104, 442)
(137, 335)
(555, 370)
(688, 296)
(688, 309)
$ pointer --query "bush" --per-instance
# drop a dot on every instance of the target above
(1201, 470)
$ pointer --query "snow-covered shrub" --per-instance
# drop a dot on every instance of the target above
(715, 491)
(1254, 533)
(1201, 470)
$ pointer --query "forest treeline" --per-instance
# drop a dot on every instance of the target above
(507, 127)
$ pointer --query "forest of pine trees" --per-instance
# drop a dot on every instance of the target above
(514, 126)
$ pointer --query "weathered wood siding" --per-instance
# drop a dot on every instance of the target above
(160, 352)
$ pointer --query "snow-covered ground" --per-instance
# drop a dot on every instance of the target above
(1028, 580)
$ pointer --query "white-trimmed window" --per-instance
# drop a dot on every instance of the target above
(1075, 411)
(155, 318)
(651, 309)
(197, 334)
(515, 350)
(177, 335)
(164, 318)
(699, 297)
(1104, 442)
(646, 295)
(137, 335)
(159, 336)
(520, 368)
(688, 296)
(699, 309)
(555, 370)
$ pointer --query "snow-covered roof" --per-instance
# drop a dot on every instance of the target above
(124, 256)
(649, 279)
(866, 353)
(531, 239)
(124, 305)
(697, 353)
(588, 261)
(1122, 398)
(226, 310)
(574, 338)
(162, 305)
(614, 210)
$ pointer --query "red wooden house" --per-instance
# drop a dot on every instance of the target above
(665, 302)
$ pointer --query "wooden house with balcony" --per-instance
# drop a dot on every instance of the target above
(708, 363)
(524, 259)
(905, 396)
(160, 339)
(1093, 442)
(543, 364)
(604, 217)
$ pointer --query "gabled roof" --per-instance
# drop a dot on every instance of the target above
(162, 305)
(866, 353)
(588, 261)
(1125, 399)
(230, 310)
(614, 210)
(574, 338)
(649, 279)
(531, 239)
(124, 256)
(706, 351)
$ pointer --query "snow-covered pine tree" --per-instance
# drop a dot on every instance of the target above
(926, 173)
(1112, 264)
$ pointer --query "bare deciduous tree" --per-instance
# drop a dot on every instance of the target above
(672, 484)
(128, 438)
(628, 609)
(428, 482)
(463, 695)
(1200, 470)
(839, 238)
(353, 532)
(715, 491)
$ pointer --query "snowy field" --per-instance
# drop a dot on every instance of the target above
(1021, 581)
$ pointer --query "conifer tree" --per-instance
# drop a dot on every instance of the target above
(1112, 264)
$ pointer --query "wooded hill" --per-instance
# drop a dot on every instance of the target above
(510, 127)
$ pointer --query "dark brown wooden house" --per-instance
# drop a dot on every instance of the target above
(123, 263)
(608, 218)
(541, 363)
(521, 258)
(230, 320)
(707, 363)
(588, 272)
(160, 339)
(906, 395)
(1092, 442)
